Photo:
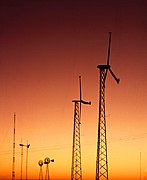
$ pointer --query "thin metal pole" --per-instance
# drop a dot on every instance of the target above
(13, 168)
(26, 163)
(21, 160)
(28, 145)
(140, 165)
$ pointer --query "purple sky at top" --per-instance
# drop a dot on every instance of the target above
(42, 40)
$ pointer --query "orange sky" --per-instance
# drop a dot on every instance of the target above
(44, 47)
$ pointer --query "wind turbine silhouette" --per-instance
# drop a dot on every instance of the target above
(101, 159)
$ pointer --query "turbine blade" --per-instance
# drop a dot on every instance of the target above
(116, 79)
(85, 102)
(108, 58)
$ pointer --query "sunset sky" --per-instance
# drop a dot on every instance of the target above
(45, 46)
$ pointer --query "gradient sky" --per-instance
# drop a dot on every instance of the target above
(45, 46)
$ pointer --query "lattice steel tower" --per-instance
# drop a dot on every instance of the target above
(76, 170)
(101, 159)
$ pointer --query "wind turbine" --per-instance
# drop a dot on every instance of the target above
(101, 159)
(76, 169)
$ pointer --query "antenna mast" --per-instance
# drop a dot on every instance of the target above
(76, 170)
(13, 167)
(101, 159)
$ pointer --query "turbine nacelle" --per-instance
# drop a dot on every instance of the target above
(108, 67)
(81, 101)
